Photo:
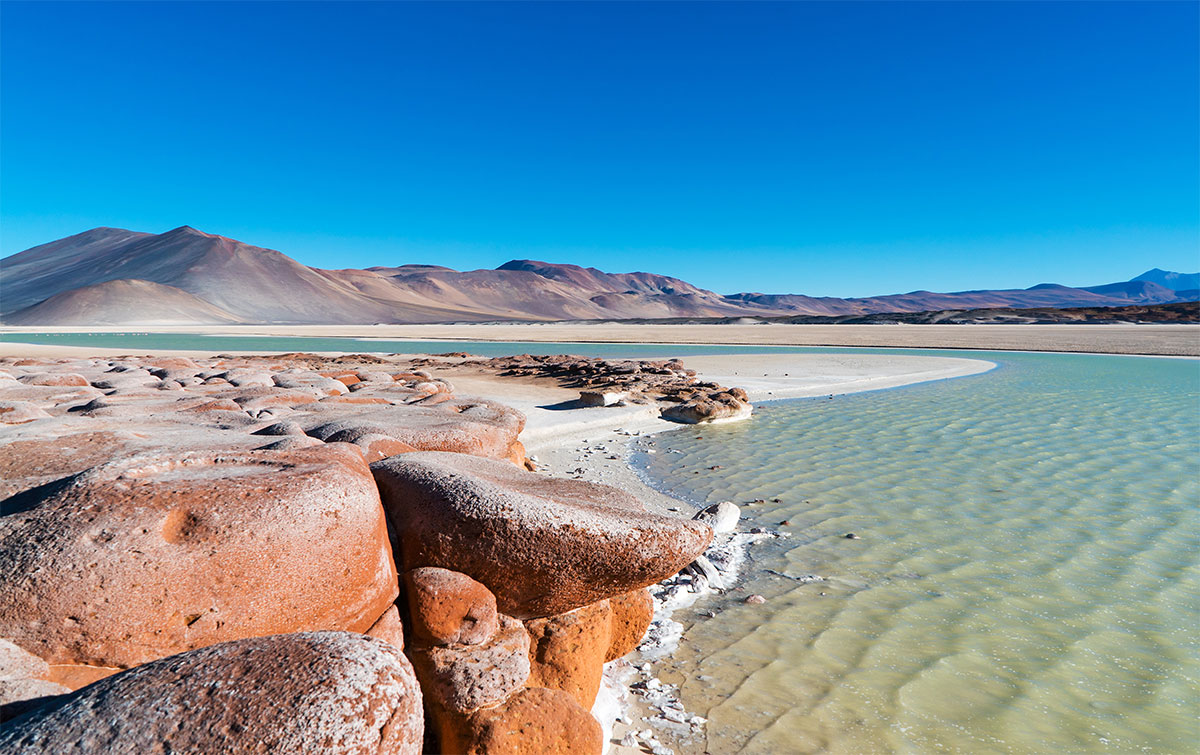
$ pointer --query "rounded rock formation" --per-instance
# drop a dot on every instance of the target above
(448, 608)
(543, 546)
(568, 651)
(313, 692)
(156, 554)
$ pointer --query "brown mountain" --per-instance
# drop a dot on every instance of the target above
(114, 276)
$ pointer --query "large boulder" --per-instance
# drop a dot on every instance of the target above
(543, 546)
(313, 692)
(160, 553)
(724, 406)
(568, 651)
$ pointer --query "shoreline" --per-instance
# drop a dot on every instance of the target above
(596, 444)
(1179, 339)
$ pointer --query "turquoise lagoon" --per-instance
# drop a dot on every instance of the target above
(1026, 578)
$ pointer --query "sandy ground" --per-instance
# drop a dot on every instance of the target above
(1178, 340)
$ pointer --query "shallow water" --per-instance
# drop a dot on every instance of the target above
(1027, 578)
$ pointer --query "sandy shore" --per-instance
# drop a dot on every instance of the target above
(1178, 340)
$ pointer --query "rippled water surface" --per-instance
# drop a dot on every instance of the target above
(1027, 577)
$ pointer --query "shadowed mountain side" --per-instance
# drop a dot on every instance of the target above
(216, 279)
(122, 302)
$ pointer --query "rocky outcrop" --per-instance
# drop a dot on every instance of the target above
(717, 406)
(543, 546)
(156, 554)
(315, 692)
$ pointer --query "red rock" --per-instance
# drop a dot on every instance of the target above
(159, 553)
(388, 628)
(448, 608)
(55, 379)
(28, 463)
(722, 408)
(631, 616)
(535, 721)
(221, 404)
(543, 546)
(259, 397)
(313, 692)
(355, 400)
(568, 651)
(290, 443)
(462, 678)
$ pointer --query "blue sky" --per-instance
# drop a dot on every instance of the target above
(831, 149)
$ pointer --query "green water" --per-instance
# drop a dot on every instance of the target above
(1027, 578)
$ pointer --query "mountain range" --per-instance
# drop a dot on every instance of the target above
(111, 276)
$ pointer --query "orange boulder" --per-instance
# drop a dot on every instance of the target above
(631, 616)
(448, 608)
(159, 553)
(541, 545)
(535, 721)
(568, 651)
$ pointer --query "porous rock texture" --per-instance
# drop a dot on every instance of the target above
(156, 554)
(312, 692)
(463, 678)
(449, 608)
(543, 546)
(631, 617)
(535, 721)
(568, 651)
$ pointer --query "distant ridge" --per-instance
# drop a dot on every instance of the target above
(114, 276)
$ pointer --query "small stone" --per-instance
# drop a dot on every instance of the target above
(851, 536)
(756, 600)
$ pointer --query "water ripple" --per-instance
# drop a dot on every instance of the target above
(1027, 578)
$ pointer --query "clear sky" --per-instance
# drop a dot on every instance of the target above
(831, 149)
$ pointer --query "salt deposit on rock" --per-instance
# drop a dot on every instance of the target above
(315, 692)
(722, 517)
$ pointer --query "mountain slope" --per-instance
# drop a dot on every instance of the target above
(122, 302)
(115, 276)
